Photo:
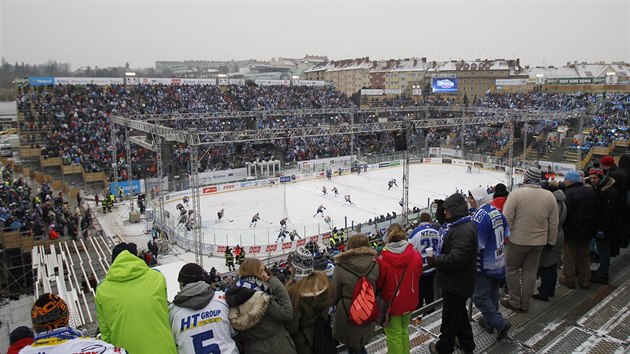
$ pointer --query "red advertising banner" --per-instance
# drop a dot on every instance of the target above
(301, 242)
(221, 249)
(254, 249)
(271, 248)
(210, 189)
(287, 245)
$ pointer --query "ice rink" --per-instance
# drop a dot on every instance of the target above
(298, 201)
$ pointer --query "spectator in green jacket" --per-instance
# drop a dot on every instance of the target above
(131, 305)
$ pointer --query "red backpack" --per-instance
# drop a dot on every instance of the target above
(363, 307)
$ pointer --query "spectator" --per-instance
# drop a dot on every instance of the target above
(199, 315)
(19, 338)
(532, 214)
(548, 265)
(455, 266)
(492, 231)
(579, 227)
(604, 187)
(500, 196)
(321, 262)
(359, 259)
(259, 308)
(311, 294)
(425, 236)
(51, 320)
(400, 267)
(620, 233)
(131, 305)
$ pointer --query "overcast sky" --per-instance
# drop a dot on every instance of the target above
(110, 33)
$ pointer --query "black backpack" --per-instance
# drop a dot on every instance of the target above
(322, 341)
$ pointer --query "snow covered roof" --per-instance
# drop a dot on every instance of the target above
(413, 64)
(581, 70)
(471, 65)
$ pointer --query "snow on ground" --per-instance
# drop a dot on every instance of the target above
(299, 201)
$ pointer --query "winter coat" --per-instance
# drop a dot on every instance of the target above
(198, 309)
(582, 211)
(392, 262)
(359, 260)
(532, 214)
(607, 193)
(551, 255)
(132, 307)
(312, 304)
(457, 263)
(620, 224)
(259, 317)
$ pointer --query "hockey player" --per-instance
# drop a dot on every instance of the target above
(220, 214)
(329, 173)
(283, 233)
(402, 202)
(391, 183)
(335, 191)
(272, 183)
(293, 234)
(328, 221)
(347, 197)
(185, 200)
(324, 190)
(320, 210)
(283, 222)
(255, 219)
(469, 169)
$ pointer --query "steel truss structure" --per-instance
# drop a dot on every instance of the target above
(151, 129)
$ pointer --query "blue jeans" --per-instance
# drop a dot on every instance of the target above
(603, 250)
(486, 299)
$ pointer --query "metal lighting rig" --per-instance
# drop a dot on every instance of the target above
(199, 130)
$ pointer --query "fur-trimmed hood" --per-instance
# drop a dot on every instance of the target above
(247, 307)
(351, 253)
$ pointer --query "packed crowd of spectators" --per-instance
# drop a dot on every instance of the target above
(39, 213)
(306, 304)
(73, 122)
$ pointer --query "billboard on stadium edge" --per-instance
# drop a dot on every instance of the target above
(444, 84)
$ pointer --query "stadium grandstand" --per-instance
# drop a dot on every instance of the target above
(82, 140)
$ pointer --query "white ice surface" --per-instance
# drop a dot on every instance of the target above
(369, 192)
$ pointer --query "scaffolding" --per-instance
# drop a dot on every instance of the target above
(148, 129)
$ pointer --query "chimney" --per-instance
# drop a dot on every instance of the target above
(434, 64)
(424, 59)
(415, 62)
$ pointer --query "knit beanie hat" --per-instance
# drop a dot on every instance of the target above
(302, 262)
(596, 172)
(49, 312)
(607, 161)
(456, 205)
(123, 246)
(191, 273)
(20, 333)
(312, 247)
(572, 176)
(532, 175)
(500, 190)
